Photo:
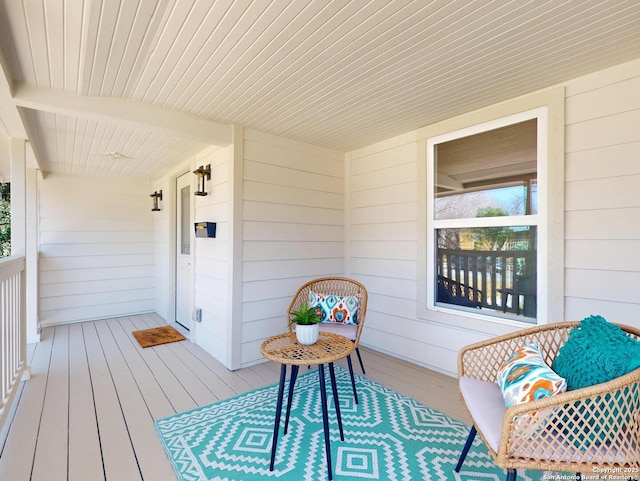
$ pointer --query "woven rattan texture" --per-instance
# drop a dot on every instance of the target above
(284, 349)
(482, 360)
(583, 429)
(340, 286)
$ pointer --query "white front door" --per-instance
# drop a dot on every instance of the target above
(184, 247)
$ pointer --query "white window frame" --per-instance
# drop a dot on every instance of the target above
(538, 220)
(548, 107)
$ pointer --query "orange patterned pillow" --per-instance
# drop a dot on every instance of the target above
(340, 309)
(525, 377)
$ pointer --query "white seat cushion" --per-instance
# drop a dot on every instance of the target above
(347, 330)
(486, 405)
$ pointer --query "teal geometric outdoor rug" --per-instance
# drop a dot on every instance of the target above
(387, 436)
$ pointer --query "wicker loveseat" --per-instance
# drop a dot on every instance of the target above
(593, 429)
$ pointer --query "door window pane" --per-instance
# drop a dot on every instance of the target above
(185, 222)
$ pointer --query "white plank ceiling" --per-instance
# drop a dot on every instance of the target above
(139, 77)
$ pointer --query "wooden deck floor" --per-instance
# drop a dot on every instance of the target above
(87, 412)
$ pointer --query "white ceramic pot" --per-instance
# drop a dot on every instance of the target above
(307, 335)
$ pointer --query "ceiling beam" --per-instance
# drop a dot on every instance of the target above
(446, 182)
(123, 112)
(11, 121)
(9, 116)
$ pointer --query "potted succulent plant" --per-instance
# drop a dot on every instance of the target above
(307, 321)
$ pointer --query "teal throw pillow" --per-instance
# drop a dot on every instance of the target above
(596, 352)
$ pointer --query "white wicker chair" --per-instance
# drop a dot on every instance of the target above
(583, 430)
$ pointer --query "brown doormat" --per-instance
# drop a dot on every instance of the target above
(157, 335)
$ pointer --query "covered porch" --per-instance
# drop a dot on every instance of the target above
(87, 412)
(317, 148)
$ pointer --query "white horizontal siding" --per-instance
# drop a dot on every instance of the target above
(621, 192)
(602, 254)
(275, 175)
(75, 249)
(400, 193)
(59, 290)
(96, 246)
(620, 312)
(257, 331)
(64, 263)
(269, 270)
(98, 310)
(401, 250)
(163, 297)
(293, 229)
(382, 253)
(97, 224)
(600, 98)
(300, 195)
(602, 195)
(94, 274)
(299, 214)
(211, 257)
(597, 133)
(390, 268)
(88, 299)
(606, 285)
(260, 290)
(403, 173)
(397, 212)
(274, 251)
(603, 224)
(389, 231)
(601, 162)
(92, 238)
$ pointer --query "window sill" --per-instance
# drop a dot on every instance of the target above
(495, 324)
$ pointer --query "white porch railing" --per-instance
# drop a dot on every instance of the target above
(13, 335)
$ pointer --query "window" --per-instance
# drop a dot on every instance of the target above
(484, 220)
(491, 215)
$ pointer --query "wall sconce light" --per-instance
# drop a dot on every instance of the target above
(202, 173)
(156, 196)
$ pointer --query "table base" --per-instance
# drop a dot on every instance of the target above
(325, 414)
